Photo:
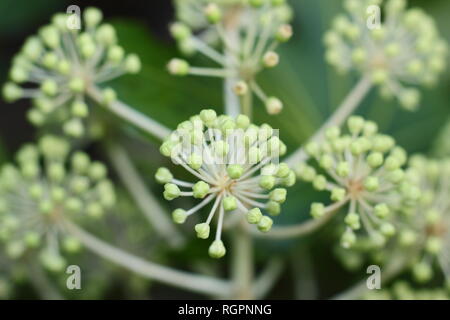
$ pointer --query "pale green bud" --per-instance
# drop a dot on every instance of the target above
(284, 33)
(95, 210)
(332, 133)
(74, 128)
(422, 272)
(409, 98)
(317, 210)
(283, 170)
(267, 182)
(200, 189)
(80, 162)
(387, 229)
(355, 124)
(71, 244)
(320, 183)
(381, 210)
(50, 36)
(273, 105)
(163, 175)
(73, 205)
(106, 35)
(375, 159)
(270, 59)
(370, 128)
(242, 121)
(306, 172)
(254, 216)
(217, 249)
(213, 13)
(195, 161)
(80, 109)
(97, 171)
(371, 183)
(49, 87)
(180, 31)
(434, 245)
(178, 67)
(229, 203)
(132, 63)
(348, 238)
(109, 96)
(265, 224)
(352, 220)
(56, 172)
(179, 216)
(235, 171)
(32, 239)
(202, 230)
(338, 194)
(52, 261)
(326, 161)
(208, 116)
(171, 191)
(12, 92)
(407, 237)
(278, 195)
(92, 17)
(220, 148)
(77, 85)
(343, 169)
(116, 54)
(273, 208)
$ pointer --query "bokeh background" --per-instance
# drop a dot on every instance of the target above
(310, 90)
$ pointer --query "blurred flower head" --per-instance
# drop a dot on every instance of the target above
(239, 36)
(46, 186)
(236, 165)
(362, 171)
(405, 50)
(57, 68)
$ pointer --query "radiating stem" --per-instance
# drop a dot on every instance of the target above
(131, 115)
(146, 201)
(347, 107)
(191, 282)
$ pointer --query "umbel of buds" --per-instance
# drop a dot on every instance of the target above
(38, 193)
(235, 164)
(427, 226)
(404, 49)
(248, 33)
(362, 171)
(60, 65)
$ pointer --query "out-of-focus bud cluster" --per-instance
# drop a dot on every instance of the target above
(363, 172)
(404, 50)
(57, 68)
(246, 34)
(236, 165)
(47, 185)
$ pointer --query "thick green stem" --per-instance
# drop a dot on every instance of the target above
(191, 282)
(242, 264)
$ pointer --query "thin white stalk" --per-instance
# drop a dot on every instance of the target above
(242, 264)
(182, 279)
(146, 201)
(231, 100)
(131, 115)
(266, 279)
(347, 107)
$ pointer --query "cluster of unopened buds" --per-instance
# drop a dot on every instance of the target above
(404, 50)
(248, 33)
(427, 225)
(236, 164)
(362, 170)
(58, 67)
(47, 185)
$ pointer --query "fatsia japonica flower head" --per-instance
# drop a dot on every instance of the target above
(403, 51)
(46, 186)
(427, 225)
(247, 34)
(235, 164)
(57, 68)
(362, 171)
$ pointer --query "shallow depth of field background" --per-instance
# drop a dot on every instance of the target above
(310, 90)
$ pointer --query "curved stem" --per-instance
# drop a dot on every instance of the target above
(346, 108)
(131, 115)
(301, 229)
(191, 282)
(145, 200)
(266, 280)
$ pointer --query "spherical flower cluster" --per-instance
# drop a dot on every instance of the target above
(427, 226)
(38, 193)
(57, 68)
(247, 32)
(404, 50)
(362, 170)
(236, 165)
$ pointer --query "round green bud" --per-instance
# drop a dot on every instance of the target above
(313, 149)
(178, 67)
(229, 203)
(434, 245)
(213, 13)
(278, 195)
(380, 76)
(202, 230)
(179, 216)
(71, 244)
(371, 183)
(30, 170)
(116, 54)
(352, 220)
(36, 191)
(32, 239)
(283, 170)
(97, 171)
(387, 229)
(265, 224)
(273, 208)
(15, 249)
(50, 36)
(167, 147)
(133, 64)
(18, 74)
(57, 194)
(74, 128)
(254, 216)
(106, 35)
(208, 116)
(270, 59)
(171, 191)
(409, 98)
(306, 172)
(95, 210)
(74, 205)
(163, 175)
(77, 85)
(320, 182)
(359, 55)
(56, 172)
(235, 171)
(355, 124)
(343, 169)
(49, 87)
(12, 92)
(317, 210)
(326, 161)
(375, 159)
(422, 272)
(92, 17)
(267, 182)
(338, 194)
(284, 33)
(242, 121)
(348, 238)
(180, 31)
(109, 96)
(80, 162)
(200, 189)
(217, 249)
(332, 133)
(220, 148)
(52, 261)
(79, 109)
(381, 210)
(195, 161)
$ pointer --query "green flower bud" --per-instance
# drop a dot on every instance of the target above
(434, 245)
(284, 33)
(267, 182)
(178, 67)
(74, 205)
(49, 87)
(217, 249)
(12, 92)
(80, 109)
(290, 180)
(52, 261)
(180, 31)
(352, 220)
(108, 96)
(163, 175)
(77, 85)
(338, 194)
(195, 161)
(95, 210)
(320, 183)
(56, 172)
(200, 189)
(326, 162)
(348, 238)
(80, 162)
(106, 35)
(213, 13)
(171, 191)
(74, 128)
(343, 169)
(97, 171)
(235, 171)
(203, 230)
(422, 272)
(32, 239)
(387, 229)
(381, 210)
(273, 105)
(278, 195)
(254, 216)
(208, 116)
(265, 224)
(132, 64)
(179, 216)
(375, 159)
(317, 210)
(305, 172)
(229, 203)
(92, 17)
